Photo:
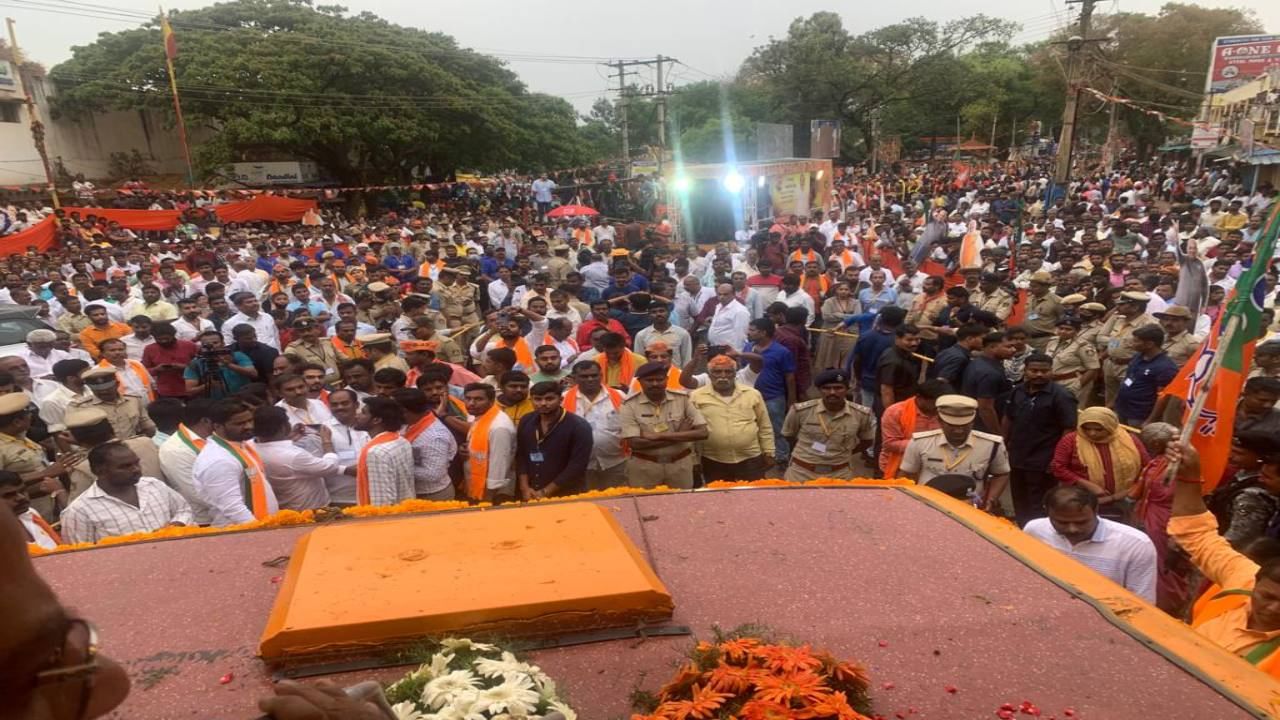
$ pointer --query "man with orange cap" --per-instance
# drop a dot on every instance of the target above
(739, 444)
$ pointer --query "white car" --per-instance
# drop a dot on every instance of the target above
(15, 322)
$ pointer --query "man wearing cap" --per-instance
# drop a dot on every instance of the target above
(826, 434)
(661, 425)
(992, 298)
(1075, 360)
(1043, 310)
(926, 309)
(384, 309)
(21, 455)
(1114, 346)
(89, 428)
(1090, 315)
(1179, 344)
(458, 297)
(381, 350)
(40, 353)
(127, 413)
(310, 347)
(957, 449)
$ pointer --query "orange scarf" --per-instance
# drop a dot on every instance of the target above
(808, 257)
(570, 402)
(524, 357)
(140, 372)
(354, 351)
(673, 380)
(190, 439)
(1215, 602)
(548, 340)
(254, 488)
(908, 420)
(845, 259)
(47, 528)
(585, 237)
(478, 453)
(411, 377)
(424, 270)
(412, 432)
(626, 368)
(362, 466)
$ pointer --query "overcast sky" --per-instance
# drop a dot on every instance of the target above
(711, 37)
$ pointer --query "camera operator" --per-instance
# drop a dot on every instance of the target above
(217, 371)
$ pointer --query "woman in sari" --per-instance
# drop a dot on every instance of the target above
(1103, 457)
(1154, 502)
(836, 310)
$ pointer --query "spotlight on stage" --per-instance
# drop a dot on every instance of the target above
(733, 182)
(681, 184)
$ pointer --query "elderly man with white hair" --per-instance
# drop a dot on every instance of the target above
(40, 353)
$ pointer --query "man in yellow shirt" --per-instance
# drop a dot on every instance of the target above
(1232, 219)
(1242, 613)
(739, 444)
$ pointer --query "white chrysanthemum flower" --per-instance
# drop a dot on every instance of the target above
(438, 666)
(515, 695)
(508, 665)
(407, 711)
(564, 709)
(442, 690)
(546, 686)
(467, 705)
(456, 644)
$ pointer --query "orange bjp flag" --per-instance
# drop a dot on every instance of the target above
(170, 42)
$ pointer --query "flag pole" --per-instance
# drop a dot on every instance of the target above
(170, 52)
(1224, 342)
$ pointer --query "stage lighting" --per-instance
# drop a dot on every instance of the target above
(733, 182)
(681, 184)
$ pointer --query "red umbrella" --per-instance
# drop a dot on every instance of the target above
(570, 210)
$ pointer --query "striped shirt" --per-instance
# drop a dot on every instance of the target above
(433, 450)
(1123, 554)
(96, 515)
(390, 467)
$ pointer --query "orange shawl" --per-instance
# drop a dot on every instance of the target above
(412, 432)
(48, 529)
(626, 368)
(892, 459)
(362, 467)
(673, 380)
(354, 351)
(524, 356)
(255, 486)
(478, 453)
(140, 372)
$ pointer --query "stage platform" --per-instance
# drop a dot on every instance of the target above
(926, 592)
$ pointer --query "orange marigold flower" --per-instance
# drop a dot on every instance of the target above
(836, 705)
(787, 688)
(787, 659)
(764, 710)
(703, 705)
(731, 678)
(739, 649)
(688, 675)
(851, 673)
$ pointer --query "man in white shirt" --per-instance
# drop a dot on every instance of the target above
(67, 386)
(40, 353)
(605, 231)
(792, 296)
(179, 451)
(296, 476)
(121, 501)
(298, 406)
(542, 188)
(13, 498)
(228, 474)
(189, 324)
(1123, 554)
(139, 339)
(598, 405)
(249, 312)
(829, 226)
(729, 322)
(348, 440)
(691, 298)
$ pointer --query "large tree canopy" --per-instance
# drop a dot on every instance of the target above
(369, 101)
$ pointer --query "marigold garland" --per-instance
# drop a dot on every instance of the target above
(751, 678)
(288, 518)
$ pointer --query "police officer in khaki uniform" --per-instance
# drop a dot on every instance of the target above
(1071, 304)
(127, 413)
(384, 309)
(1113, 340)
(957, 449)
(828, 433)
(1179, 344)
(661, 426)
(19, 454)
(1090, 315)
(992, 298)
(926, 308)
(1043, 310)
(458, 302)
(1075, 360)
(311, 348)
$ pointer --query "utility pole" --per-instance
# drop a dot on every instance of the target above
(662, 114)
(875, 138)
(1109, 150)
(658, 90)
(1075, 68)
(623, 101)
(37, 127)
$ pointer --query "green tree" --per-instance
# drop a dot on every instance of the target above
(369, 101)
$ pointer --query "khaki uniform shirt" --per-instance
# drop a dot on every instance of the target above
(148, 456)
(1181, 348)
(458, 304)
(929, 455)
(824, 438)
(1077, 356)
(1043, 314)
(1114, 339)
(998, 303)
(381, 314)
(738, 425)
(676, 413)
(20, 455)
(127, 414)
(321, 353)
(391, 361)
(73, 324)
(1089, 333)
(924, 314)
(448, 350)
(558, 268)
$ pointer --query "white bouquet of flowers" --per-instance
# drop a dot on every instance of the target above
(467, 680)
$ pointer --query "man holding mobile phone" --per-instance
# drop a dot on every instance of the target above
(167, 358)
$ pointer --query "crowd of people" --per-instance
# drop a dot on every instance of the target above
(446, 351)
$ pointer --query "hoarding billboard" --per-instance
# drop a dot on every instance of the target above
(1237, 59)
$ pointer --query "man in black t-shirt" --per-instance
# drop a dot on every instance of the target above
(897, 370)
(984, 380)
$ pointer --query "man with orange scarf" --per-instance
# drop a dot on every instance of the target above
(228, 474)
(384, 467)
(491, 445)
(1242, 613)
(618, 365)
(432, 442)
(903, 419)
(504, 332)
(660, 352)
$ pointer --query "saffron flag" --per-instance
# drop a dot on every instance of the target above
(170, 42)
(1215, 424)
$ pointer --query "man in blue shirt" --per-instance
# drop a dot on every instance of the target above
(625, 282)
(776, 381)
(401, 266)
(1150, 369)
(861, 364)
